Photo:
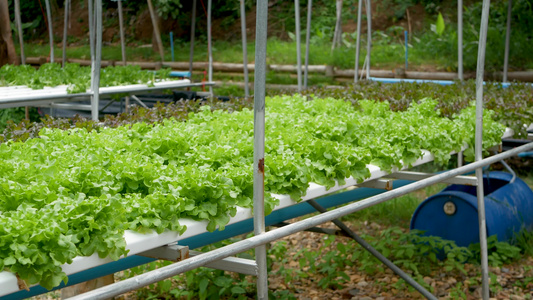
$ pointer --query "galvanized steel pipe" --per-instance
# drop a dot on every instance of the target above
(479, 147)
(307, 41)
(298, 43)
(244, 50)
(507, 41)
(358, 41)
(50, 29)
(259, 145)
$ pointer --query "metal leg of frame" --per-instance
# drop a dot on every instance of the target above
(479, 147)
(460, 40)
(20, 33)
(50, 29)
(244, 50)
(65, 32)
(210, 46)
(507, 41)
(259, 145)
(307, 40)
(358, 42)
(298, 44)
(374, 252)
(193, 25)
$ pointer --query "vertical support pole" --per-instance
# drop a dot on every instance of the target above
(193, 25)
(244, 50)
(298, 44)
(121, 27)
(19, 29)
(507, 41)
(90, 8)
(96, 62)
(460, 40)
(358, 42)
(123, 47)
(259, 143)
(369, 37)
(172, 45)
(65, 31)
(479, 147)
(406, 50)
(156, 30)
(210, 46)
(307, 41)
(21, 42)
(50, 29)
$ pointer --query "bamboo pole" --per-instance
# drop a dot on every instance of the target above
(65, 31)
(20, 33)
(157, 33)
(50, 29)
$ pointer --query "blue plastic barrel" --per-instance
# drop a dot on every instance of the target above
(453, 213)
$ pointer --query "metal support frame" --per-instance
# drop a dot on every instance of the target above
(20, 33)
(90, 8)
(479, 147)
(244, 49)
(65, 32)
(267, 237)
(307, 41)
(193, 28)
(177, 253)
(358, 41)
(460, 40)
(321, 230)
(374, 252)
(460, 159)
(123, 47)
(210, 46)
(507, 41)
(382, 184)
(259, 145)
(369, 37)
(97, 59)
(138, 101)
(408, 175)
(121, 28)
(50, 29)
(298, 44)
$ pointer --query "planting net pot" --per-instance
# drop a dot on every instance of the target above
(453, 213)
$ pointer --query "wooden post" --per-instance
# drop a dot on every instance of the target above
(87, 286)
(156, 30)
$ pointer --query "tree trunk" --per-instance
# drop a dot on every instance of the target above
(337, 37)
(7, 48)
